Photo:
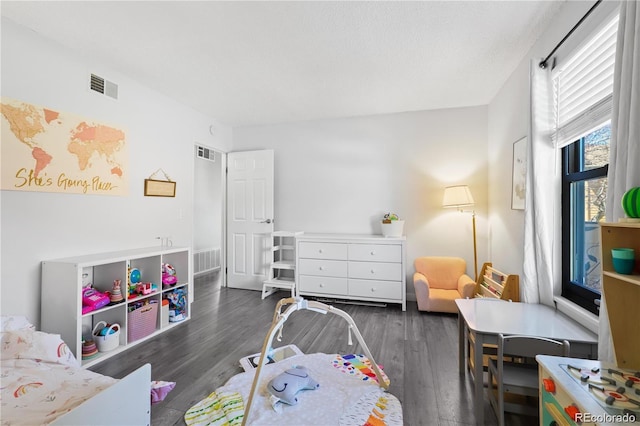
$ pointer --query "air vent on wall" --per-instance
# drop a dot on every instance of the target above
(105, 87)
(205, 153)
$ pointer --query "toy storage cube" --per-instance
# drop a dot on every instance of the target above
(142, 321)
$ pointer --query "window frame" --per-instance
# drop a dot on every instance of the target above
(572, 163)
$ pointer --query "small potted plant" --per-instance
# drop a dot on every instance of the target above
(391, 225)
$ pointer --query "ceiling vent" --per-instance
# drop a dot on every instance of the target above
(206, 153)
(105, 87)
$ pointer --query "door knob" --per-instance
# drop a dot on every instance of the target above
(266, 221)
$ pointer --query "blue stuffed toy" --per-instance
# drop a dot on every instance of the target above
(287, 384)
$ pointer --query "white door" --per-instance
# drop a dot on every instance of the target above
(249, 217)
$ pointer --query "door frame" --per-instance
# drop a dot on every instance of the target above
(224, 203)
(223, 206)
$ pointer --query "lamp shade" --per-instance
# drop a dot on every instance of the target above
(457, 196)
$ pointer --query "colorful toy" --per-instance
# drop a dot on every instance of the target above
(631, 202)
(144, 288)
(108, 329)
(286, 385)
(134, 275)
(116, 293)
(134, 279)
(177, 305)
(92, 299)
(169, 277)
(359, 366)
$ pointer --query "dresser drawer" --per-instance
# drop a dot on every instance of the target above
(319, 250)
(376, 270)
(375, 252)
(373, 289)
(324, 285)
(324, 268)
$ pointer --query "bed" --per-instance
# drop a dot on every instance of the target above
(352, 387)
(43, 383)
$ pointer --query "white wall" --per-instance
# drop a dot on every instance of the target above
(331, 176)
(160, 133)
(342, 175)
(508, 121)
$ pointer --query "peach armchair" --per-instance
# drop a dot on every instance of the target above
(438, 281)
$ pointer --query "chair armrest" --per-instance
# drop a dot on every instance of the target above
(421, 285)
(418, 277)
(466, 286)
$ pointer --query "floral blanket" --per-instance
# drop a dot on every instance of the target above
(40, 379)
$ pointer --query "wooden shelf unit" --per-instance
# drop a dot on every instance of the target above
(622, 292)
(497, 285)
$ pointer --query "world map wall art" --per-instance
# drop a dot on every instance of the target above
(50, 151)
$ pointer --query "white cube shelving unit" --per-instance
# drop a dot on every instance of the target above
(63, 280)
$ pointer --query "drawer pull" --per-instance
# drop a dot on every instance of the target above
(373, 253)
(373, 289)
(319, 250)
(321, 285)
(373, 271)
(321, 268)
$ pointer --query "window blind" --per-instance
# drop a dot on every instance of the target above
(583, 87)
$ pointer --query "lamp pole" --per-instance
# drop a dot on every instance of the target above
(459, 196)
(475, 246)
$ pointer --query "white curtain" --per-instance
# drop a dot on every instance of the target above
(624, 160)
(542, 194)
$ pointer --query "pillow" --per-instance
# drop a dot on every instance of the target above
(38, 346)
(15, 322)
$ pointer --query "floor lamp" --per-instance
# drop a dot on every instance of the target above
(459, 196)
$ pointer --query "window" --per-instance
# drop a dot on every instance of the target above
(584, 189)
(583, 92)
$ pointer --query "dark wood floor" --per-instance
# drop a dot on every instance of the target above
(419, 352)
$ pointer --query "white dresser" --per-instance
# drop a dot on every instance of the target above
(355, 267)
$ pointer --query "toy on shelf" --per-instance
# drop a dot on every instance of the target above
(116, 293)
(92, 299)
(177, 305)
(169, 276)
(145, 288)
(89, 349)
(134, 278)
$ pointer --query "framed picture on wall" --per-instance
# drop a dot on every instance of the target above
(519, 174)
(159, 188)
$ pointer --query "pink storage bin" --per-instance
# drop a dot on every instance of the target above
(142, 321)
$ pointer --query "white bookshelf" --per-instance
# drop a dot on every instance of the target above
(63, 280)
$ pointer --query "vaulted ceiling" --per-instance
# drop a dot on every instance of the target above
(252, 63)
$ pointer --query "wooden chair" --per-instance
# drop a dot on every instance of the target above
(520, 375)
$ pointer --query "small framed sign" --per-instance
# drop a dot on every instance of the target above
(159, 188)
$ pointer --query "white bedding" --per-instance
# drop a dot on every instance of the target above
(345, 396)
(41, 379)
